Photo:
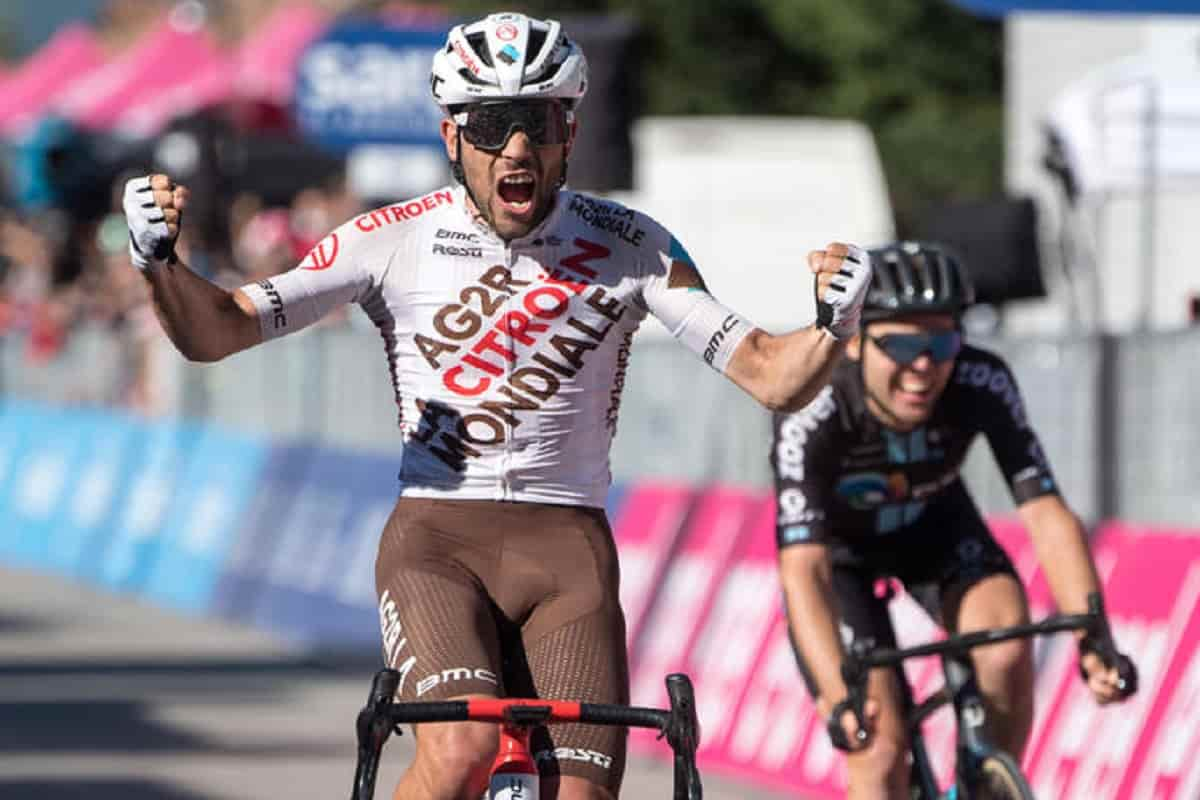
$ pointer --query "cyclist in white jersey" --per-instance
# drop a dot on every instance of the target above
(506, 304)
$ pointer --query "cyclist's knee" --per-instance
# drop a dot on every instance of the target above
(1007, 664)
(881, 767)
(460, 754)
(882, 762)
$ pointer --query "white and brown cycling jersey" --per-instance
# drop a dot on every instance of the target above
(507, 358)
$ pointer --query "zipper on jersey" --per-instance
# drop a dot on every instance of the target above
(506, 457)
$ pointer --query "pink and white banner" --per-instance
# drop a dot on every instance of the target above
(647, 530)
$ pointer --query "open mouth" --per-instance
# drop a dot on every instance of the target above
(516, 192)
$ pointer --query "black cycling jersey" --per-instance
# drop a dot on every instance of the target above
(842, 477)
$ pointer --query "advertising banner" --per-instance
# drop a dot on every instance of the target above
(221, 476)
(283, 474)
(704, 560)
(360, 84)
(646, 530)
(319, 580)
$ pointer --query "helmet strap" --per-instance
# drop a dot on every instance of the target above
(460, 174)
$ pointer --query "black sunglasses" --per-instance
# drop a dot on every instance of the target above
(488, 126)
(905, 348)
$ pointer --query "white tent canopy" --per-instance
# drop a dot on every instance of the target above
(1133, 123)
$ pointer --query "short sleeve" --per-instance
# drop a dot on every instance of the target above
(804, 459)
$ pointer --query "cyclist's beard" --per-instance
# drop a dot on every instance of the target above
(482, 187)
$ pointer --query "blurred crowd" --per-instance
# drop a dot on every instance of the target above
(65, 274)
(60, 277)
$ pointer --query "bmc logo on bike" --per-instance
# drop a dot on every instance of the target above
(455, 674)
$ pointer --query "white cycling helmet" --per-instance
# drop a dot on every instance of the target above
(508, 56)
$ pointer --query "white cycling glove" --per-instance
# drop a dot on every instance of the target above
(150, 243)
(840, 310)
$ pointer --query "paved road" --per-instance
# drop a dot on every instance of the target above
(103, 697)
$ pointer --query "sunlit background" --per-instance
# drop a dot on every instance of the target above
(186, 551)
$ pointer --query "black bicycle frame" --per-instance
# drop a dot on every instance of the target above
(961, 689)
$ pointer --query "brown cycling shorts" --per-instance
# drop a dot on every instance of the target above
(509, 600)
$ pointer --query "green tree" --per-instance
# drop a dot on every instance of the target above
(925, 75)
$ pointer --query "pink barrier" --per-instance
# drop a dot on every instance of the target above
(707, 551)
(719, 617)
(647, 530)
(1146, 750)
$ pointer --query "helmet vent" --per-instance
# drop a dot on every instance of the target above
(478, 42)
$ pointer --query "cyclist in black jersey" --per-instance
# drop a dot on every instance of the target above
(868, 487)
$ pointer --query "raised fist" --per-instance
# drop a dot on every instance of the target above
(154, 211)
(843, 273)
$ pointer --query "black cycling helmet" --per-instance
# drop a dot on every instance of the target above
(916, 278)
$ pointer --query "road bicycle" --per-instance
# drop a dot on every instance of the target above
(982, 770)
(514, 773)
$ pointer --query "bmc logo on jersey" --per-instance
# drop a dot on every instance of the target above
(323, 255)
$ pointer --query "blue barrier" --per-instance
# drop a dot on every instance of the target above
(21, 426)
(221, 476)
(98, 482)
(283, 536)
(127, 558)
(241, 581)
(320, 583)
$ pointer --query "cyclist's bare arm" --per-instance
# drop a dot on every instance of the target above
(784, 373)
(204, 321)
(1061, 544)
(806, 572)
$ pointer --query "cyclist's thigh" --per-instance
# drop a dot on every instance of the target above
(438, 622)
(953, 552)
(862, 615)
(572, 635)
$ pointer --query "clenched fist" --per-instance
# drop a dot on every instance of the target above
(843, 274)
(154, 211)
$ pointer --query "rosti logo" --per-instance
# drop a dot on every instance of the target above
(507, 32)
(323, 255)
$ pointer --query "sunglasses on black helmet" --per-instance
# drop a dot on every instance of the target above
(488, 126)
(905, 348)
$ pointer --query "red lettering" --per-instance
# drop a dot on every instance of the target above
(560, 302)
(323, 255)
(486, 366)
(518, 326)
(489, 342)
(557, 278)
(589, 251)
(428, 202)
(363, 224)
(451, 381)
(414, 209)
(398, 213)
(444, 197)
